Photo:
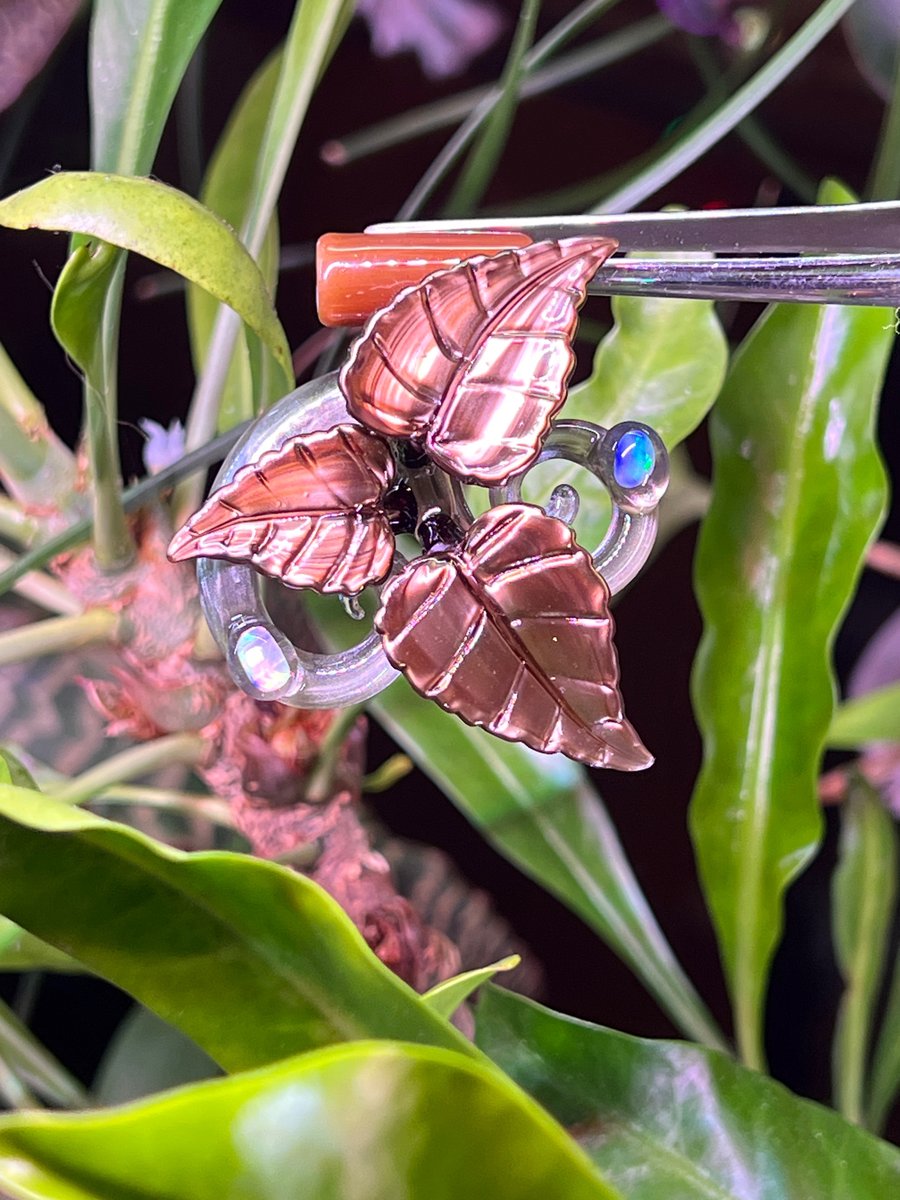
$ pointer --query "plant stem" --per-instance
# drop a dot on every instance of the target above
(320, 781)
(57, 634)
(488, 149)
(191, 804)
(23, 1054)
(884, 181)
(16, 524)
(687, 150)
(185, 748)
(312, 38)
(442, 113)
(43, 589)
(133, 498)
(539, 53)
(35, 466)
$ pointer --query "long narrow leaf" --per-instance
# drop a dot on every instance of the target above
(864, 888)
(799, 493)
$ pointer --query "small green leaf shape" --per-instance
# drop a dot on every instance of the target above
(863, 892)
(373, 1121)
(668, 1121)
(251, 960)
(446, 997)
(162, 224)
(874, 717)
(798, 495)
(145, 1055)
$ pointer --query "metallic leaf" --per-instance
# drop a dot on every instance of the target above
(512, 632)
(473, 362)
(308, 514)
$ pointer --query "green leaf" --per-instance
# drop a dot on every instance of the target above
(668, 1121)
(22, 1053)
(874, 717)
(799, 493)
(139, 52)
(863, 891)
(147, 1055)
(14, 771)
(885, 1083)
(251, 960)
(663, 362)
(227, 191)
(541, 813)
(445, 998)
(361, 1122)
(164, 225)
(20, 951)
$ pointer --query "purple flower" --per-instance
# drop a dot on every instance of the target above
(879, 666)
(163, 446)
(705, 18)
(445, 34)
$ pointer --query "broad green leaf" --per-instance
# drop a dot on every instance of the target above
(147, 1055)
(798, 495)
(373, 1121)
(863, 891)
(669, 1121)
(663, 363)
(252, 961)
(874, 717)
(541, 813)
(139, 52)
(164, 225)
(885, 1085)
(445, 998)
(227, 191)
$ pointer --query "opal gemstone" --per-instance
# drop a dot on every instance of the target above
(634, 460)
(262, 660)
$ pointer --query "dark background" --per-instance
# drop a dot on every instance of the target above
(826, 117)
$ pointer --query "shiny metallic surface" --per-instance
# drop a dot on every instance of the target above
(231, 594)
(512, 632)
(474, 362)
(309, 514)
(818, 229)
(631, 533)
(846, 279)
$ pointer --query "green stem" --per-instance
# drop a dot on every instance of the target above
(311, 40)
(190, 804)
(14, 1092)
(133, 498)
(442, 113)
(16, 524)
(753, 132)
(24, 1055)
(687, 150)
(43, 590)
(488, 149)
(57, 634)
(547, 46)
(320, 781)
(35, 466)
(884, 182)
(113, 544)
(184, 748)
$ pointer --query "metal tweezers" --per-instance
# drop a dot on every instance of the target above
(853, 249)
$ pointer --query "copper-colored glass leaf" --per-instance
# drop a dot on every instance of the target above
(512, 631)
(309, 514)
(474, 361)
